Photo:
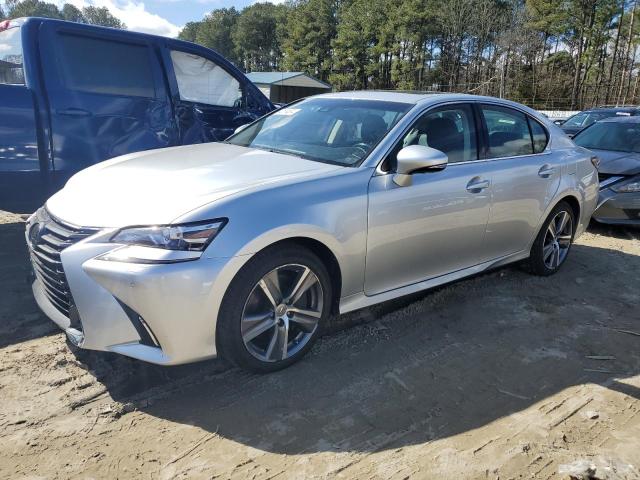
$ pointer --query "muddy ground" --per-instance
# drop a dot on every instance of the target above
(502, 376)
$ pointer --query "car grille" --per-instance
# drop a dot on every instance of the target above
(48, 237)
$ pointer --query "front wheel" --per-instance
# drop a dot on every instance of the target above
(553, 243)
(274, 309)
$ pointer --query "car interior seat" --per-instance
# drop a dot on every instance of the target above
(372, 129)
(442, 134)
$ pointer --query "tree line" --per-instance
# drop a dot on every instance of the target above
(556, 54)
(35, 8)
(568, 54)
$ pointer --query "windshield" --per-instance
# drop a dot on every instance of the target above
(331, 130)
(618, 136)
(11, 57)
(586, 119)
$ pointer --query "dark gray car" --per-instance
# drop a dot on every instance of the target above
(586, 118)
(616, 142)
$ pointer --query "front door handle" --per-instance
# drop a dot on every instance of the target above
(546, 171)
(476, 185)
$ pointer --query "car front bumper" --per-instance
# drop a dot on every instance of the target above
(160, 313)
(618, 208)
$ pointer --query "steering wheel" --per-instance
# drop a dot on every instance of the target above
(363, 147)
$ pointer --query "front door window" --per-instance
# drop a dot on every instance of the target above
(202, 81)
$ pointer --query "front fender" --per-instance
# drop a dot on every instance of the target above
(331, 210)
(287, 232)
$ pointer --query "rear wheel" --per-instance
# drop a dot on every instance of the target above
(553, 243)
(274, 309)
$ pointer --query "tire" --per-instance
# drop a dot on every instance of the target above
(256, 315)
(549, 253)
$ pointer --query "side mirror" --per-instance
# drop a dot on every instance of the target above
(417, 157)
(559, 122)
(240, 128)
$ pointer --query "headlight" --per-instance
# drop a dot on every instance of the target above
(631, 186)
(193, 237)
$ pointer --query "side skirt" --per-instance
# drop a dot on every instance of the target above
(360, 300)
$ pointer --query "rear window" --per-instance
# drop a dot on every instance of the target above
(586, 118)
(11, 71)
(100, 66)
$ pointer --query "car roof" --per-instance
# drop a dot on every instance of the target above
(612, 109)
(124, 33)
(621, 119)
(410, 97)
(384, 95)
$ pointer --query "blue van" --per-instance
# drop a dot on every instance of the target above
(72, 95)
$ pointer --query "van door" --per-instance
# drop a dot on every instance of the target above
(211, 97)
(20, 175)
(107, 96)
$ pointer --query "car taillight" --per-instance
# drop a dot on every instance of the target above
(4, 25)
(596, 162)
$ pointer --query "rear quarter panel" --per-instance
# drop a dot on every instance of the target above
(579, 181)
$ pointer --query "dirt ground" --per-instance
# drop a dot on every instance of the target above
(501, 376)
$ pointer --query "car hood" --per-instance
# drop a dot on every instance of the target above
(158, 186)
(618, 163)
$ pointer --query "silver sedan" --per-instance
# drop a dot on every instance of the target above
(246, 248)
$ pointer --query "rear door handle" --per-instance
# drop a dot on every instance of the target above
(74, 112)
(546, 171)
(476, 185)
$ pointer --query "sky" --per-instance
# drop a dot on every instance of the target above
(160, 17)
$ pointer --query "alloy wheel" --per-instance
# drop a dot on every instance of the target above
(557, 240)
(282, 312)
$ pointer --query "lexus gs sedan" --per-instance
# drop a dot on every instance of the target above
(246, 248)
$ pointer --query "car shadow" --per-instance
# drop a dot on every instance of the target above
(20, 318)
(621, 232)
(413, 370)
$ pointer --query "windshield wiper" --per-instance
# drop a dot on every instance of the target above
(283, 151)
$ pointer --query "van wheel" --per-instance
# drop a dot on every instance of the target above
(274, 309)
(553, 243)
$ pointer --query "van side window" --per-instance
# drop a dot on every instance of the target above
(11, 71)
(508, 132)
(100, 66)
(202, 81)
(539, 135)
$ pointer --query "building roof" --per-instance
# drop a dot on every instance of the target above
(290, 79)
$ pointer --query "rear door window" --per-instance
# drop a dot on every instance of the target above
(108, 67)
(202, 81)
(508, 132)
(11, 71)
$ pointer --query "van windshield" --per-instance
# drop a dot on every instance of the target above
(11, 71)
(330, 130)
